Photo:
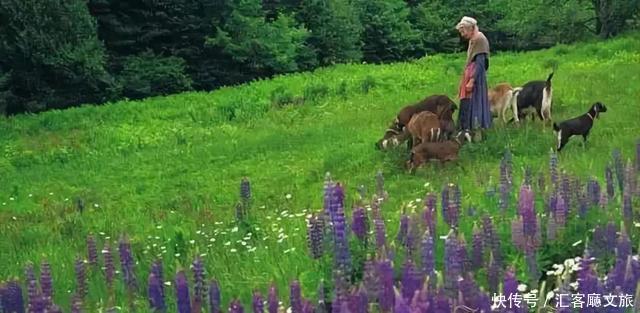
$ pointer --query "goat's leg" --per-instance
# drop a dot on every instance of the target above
(584, 139)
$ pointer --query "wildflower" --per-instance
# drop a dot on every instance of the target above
(182, 293)
(214, 297)
(156, 294)
(359, 223)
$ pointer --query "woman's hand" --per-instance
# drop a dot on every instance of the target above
(469, 86)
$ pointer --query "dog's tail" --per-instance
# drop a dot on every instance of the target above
(556, 127)
(514, 102)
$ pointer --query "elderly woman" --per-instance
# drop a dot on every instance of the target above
(473, 92)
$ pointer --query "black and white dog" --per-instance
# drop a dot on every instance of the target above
(580, 125)
(536, 94)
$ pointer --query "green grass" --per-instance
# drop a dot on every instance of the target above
(173, 164)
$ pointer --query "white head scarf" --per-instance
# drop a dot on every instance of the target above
(467, 22)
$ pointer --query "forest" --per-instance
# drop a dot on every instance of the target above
(59, 54)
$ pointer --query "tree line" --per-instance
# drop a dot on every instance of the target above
(57, 54)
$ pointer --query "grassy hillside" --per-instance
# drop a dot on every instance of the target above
(167, 166)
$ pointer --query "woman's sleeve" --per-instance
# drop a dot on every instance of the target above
(480, 61)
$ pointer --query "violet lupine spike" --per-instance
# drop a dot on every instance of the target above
(81, 279)
(76, 303)
(517, 234)
(493, 275)
(295, 297)
(553, 169)
(46, 284)
(413, 234)
(477, 248)
(370, 280)
(565, 190)
(272, 301)
(182, 293)
(630, 276)
(453, 210)
(307, 307)
(315, 235)
(526, 209)
(109, 266)
(358, 301)
(532, 267)
(155, 294)
(403, 229)
(593, 189)
(12, 298)
(380, 229)
(504, 188)
(619, 168)
(469, 292)
(359, 223)
(510, 284)
(441, 303)
(258, 302)
(453, 266)
(491, 240)
(552, 202)
(322, 305)
(342, 254)
(127, 262)
(445, 195)
(33, 296)
(214, 297)
(199, 289)
(552, 228)
(430, 213)
(428, 254)
(386, 298)
(400, 305)
(463, 255)
(92, 250)
(156, 269)
(561, 212)
(623, 247)
(608, 174)
(411, 280)
(236, 307)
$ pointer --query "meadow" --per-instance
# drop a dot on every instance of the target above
(166, 172)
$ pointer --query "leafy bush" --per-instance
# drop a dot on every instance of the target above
(314, 92)
(149, 75)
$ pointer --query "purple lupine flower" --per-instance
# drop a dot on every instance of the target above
(532, 266)
(370, 280)
(445, 195)
(565, 190)
(295, 297)
(430, 213)
(198, 284)
(493, 274)
(258, 302)
(623, 247)
(403, 229)
(510, 285)
(109, 267)
(517, 233)
(182, 293)
(76, 303)
(358, 301)
(272, 301)
(81, 279)
(428, 254)
(126, 261)
(583, 204)
(553, 169)
(379, 226)
(477, 248)
(342, 255)
(453, 266)
(469, 291)
(245, 191)
(630, 276)
(11, 297)
(593, 189)
(214, 297)
(33, 296)
(619, 168)
(380, 186)
(463, 255)
(411, 280)
(46, 284)
(491, 240)
(627, 194)
(604, 200)
(608, 173)
(315, 235)
(552, 202)
(322, 305)
(156, 269)
(236, 307)
(441, 302)
(400, 305)
(453, 210)
(527, 211)
(413, 233)
(386, 297)
(561, 212)
(155, 294)
(359, 224)
(92, 250)
(307, 307)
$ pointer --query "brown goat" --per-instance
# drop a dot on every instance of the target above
(443, 151)
(500, 98)
(424, 126)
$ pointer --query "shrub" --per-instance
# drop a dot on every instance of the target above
(147, 75)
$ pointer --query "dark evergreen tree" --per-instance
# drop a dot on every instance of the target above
(51, 57)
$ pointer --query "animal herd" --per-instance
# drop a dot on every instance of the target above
(430, 131)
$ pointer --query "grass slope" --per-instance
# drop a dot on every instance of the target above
(169, 165)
